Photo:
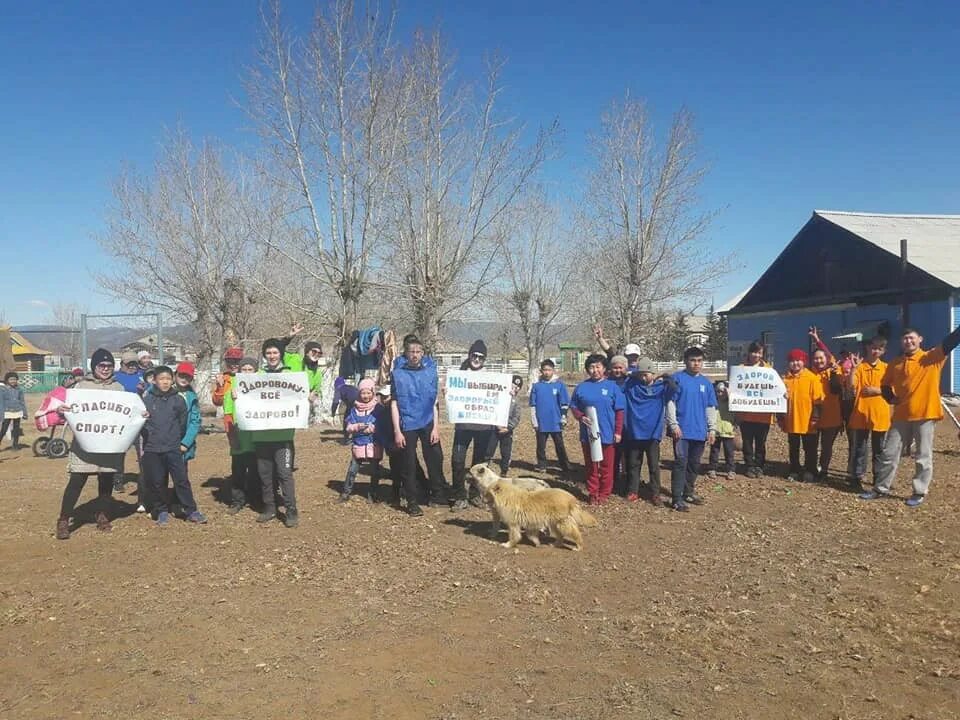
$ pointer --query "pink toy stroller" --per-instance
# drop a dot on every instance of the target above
(47, 418)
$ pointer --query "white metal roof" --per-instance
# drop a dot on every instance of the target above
(933, 241)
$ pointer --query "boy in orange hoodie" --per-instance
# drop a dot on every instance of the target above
(804, 401)
(870, 418)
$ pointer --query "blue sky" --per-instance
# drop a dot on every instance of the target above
(850, 106)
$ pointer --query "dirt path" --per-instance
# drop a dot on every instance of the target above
(772, 601)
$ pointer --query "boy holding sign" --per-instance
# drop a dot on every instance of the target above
(603, 399)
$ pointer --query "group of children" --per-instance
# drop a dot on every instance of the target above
(623, 409)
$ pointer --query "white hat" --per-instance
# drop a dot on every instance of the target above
(143, 354)
(632, 349)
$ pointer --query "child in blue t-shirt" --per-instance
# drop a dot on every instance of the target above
(646, 400)
(692, 422)
(606, 398)
(549, 402)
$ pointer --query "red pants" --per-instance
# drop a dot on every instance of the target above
(599, 474)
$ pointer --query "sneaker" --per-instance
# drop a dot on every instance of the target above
(103, 522)
(344, 498)
(459, 506)
(808, 477)
(871, 495)
(291, 519)
(656, 500)
(680, 506)
(141, 509)
(476, 501)
(414, 511)
(373, 498)
(63, 529)
(915, 500)
(197, 517)
(712, 474)
(118, 485)
(732, 475)
(694, 500)
(793, 477)
(163, 518)
(632, 497)
(268, 515)
(234, 509)
(855, 483)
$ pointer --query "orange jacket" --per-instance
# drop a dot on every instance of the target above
(830, 414)
(872, 412)
(915, 382)
(804, 397)
(217, 397)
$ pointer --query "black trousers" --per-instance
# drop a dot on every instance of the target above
(557, 445)
(828, 436)
(728, 445)
(432, 456)
(462, 438)
(809, 443)
(244, 480)
(505, 443)
(275, 463)
(17, 432)
(637, 450)
(75, 483)
(156, 466)
(754, 437)
(396, 471)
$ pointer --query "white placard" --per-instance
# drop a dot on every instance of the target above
(756, 389)
(104, 421)
(478, 397)
(593, 432)
(271, 401)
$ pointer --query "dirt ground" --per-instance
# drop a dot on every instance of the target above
(771, 601)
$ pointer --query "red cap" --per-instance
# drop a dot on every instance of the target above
(77, 372)
(233, 353)
(186, 368)
(797, 354)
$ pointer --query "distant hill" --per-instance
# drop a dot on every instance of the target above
(113, 338)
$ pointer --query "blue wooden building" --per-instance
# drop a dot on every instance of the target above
(842, 272)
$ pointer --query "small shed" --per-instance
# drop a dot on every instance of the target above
(842, 273)
(27, 357)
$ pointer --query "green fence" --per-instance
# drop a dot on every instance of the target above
(41, 382)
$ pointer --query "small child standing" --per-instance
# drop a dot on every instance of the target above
(726, 435)
(804, 400)
(13, 408)
(549, 403)
(504, 435)
(184, 381)
(163, 432)
(361, 423)
(244, 480)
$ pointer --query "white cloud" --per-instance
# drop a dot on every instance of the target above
(38, 303)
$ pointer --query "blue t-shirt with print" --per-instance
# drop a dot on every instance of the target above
(549, 399)
(645, 407)
(694, 394)
(607, 398)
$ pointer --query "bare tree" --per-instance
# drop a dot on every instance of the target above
(66, 316)
(537, 274)
(462, 167)
(181, 237)
(330, 107)
(643, 229)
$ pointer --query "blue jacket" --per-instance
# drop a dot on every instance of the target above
(167, 424)
(12, 400)
(415, 392)
(355, 416)
(130, 381)
(646, 405)
(550, 401)
(189, 440)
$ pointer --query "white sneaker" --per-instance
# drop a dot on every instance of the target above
(141, 509)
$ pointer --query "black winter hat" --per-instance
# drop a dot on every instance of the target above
(269, 343)
(311, 345)
(101, 355)
(479, 346)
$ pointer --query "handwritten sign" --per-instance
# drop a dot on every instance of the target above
(478, 397)
(272, 401)
(756, 389)
(104, 421)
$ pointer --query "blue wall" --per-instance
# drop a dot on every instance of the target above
(788, 329)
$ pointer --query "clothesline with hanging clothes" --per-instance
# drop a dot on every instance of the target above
(369, 349)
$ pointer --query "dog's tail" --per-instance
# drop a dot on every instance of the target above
(583, 518)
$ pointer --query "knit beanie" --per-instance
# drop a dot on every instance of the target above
(233, 353)
(797, 354)
(367, 384)
(479, 346)
(249, 361)
(311, 345)
(101, 355)
(271, 343)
